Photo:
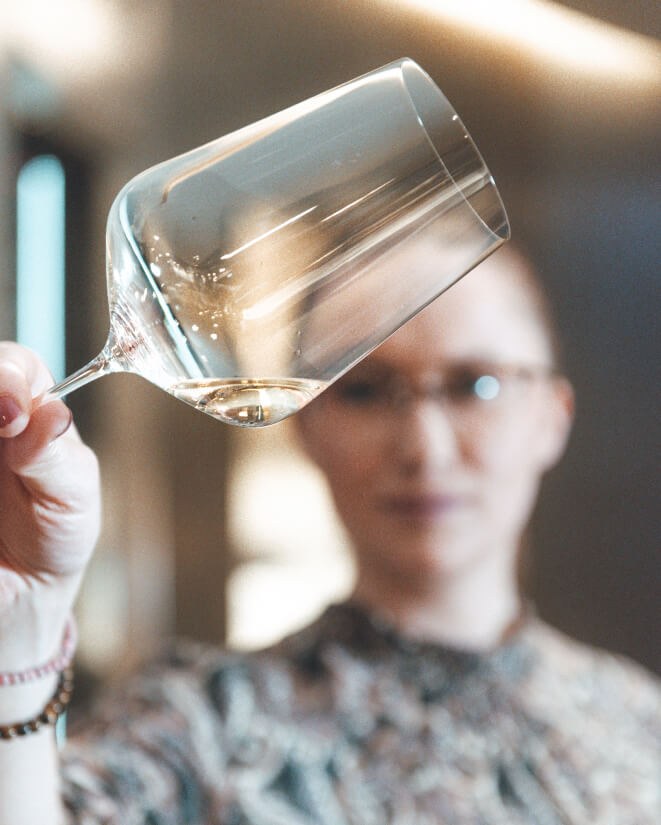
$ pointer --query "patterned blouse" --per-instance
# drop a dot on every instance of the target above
(348, 723)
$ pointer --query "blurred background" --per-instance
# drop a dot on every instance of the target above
(225, 534)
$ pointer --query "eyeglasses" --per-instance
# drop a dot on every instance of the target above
(469, 393)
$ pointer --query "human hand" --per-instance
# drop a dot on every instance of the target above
(49, 511)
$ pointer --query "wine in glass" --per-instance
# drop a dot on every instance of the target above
(246, 275)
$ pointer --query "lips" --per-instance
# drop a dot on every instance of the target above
(425, 506)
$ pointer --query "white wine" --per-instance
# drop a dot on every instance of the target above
(247, 402)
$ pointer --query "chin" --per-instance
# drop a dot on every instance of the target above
(434, 558)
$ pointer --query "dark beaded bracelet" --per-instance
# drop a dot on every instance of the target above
(49, 715)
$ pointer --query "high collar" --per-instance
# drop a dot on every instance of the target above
(374, 639)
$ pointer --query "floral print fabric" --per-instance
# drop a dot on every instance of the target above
(348, 723)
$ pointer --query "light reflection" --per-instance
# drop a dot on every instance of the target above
(267, 234)
(563, 36)
(487, 387)
(358, 200)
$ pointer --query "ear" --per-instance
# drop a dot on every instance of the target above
(559, 417)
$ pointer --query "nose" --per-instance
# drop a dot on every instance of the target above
(426, 439)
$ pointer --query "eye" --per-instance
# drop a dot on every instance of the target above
(360, 391)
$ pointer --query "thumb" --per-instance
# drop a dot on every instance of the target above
(35, 453)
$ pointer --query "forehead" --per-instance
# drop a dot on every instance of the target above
(487, 316)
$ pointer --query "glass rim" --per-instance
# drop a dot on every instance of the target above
(500, 227)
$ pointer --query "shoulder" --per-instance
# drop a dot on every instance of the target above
(590, 674)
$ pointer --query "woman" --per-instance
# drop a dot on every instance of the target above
(433, 696)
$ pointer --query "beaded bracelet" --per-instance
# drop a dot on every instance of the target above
(57, 664)
(49, 715)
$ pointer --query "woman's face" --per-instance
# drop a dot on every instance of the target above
(435, 444)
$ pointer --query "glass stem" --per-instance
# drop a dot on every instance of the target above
(105, 362)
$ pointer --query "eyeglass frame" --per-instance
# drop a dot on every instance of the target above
(459, 398)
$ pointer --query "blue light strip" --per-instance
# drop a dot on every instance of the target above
(40, 272)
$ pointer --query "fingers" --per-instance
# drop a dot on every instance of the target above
(15, 400)
(53, 520)
(22, 378)
(49, 479)
(30, 428)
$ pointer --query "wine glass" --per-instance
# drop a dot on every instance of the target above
(247, 274)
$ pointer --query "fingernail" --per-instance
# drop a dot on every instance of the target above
(9, 410)
(66, 425)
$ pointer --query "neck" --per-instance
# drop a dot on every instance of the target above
(471, 609)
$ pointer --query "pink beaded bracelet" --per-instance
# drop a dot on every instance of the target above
(57, 664)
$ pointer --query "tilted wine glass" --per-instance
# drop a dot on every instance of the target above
(247, 274)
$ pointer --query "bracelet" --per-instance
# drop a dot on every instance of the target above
(57, 664)
(49, 715)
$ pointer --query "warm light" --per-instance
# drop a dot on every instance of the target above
(293, 553)
(71, 32)
(570, 39)
(76, 39)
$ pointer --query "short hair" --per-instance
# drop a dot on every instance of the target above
(527, 275)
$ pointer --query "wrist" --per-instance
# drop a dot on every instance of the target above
(59, 662)
(38, 695)
(25, 701)
(51, 714)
